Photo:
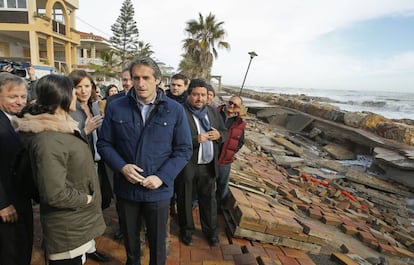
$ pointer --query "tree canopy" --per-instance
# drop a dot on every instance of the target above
(205, 36)
(126, 35)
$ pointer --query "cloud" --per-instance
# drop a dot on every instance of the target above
(282, 33)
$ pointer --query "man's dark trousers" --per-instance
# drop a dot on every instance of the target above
(156, 216)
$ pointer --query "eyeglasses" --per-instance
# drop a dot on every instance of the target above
(231, 103)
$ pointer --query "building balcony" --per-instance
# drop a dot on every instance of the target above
(89, 61)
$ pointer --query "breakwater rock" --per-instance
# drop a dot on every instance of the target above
(398, 130)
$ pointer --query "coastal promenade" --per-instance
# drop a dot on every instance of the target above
(291, 203)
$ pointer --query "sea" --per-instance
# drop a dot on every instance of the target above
(390, 104)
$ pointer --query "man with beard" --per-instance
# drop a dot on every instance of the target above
(207, 133)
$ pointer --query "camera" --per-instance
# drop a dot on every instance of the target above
(18, 68)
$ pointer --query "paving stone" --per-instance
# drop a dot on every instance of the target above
(245, 259)
(315, 232)
(286, 225)
(387, 249)
(366, 237)
(214, 262)
(347, 249)
(330, 220)
(205, 254)
(239, 241)
(236, 196)
(230, 250)
(273, 251)
(266, 218)
(349, 230)
(244, 214)
(288, 260)
(254, 250)
(315, 214)
(265, 261)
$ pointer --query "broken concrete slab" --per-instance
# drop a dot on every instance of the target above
(298, 122)
(288, 161)
(339, 152)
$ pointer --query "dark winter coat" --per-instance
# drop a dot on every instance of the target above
(65, 174)
(161, 146)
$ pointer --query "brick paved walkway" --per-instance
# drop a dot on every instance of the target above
(232, 251)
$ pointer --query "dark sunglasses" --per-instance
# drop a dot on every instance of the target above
(232, 103)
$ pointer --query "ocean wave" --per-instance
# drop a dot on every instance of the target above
(390, 104)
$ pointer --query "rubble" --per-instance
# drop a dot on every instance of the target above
(290, 190)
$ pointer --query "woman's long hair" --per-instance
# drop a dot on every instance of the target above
(52, 91)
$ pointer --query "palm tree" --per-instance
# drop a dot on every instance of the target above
(189, 66)
(205, 36)
(110, 65)
(144, 49)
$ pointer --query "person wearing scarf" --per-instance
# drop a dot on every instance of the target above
(207, 132)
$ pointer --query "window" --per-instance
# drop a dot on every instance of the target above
(21, 4)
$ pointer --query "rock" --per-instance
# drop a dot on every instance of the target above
(354, 119)
(372, 120)
(397, 131)
(339, 152)
(288, 161)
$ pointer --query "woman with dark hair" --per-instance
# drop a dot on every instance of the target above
(86, 113)
(89, 120)
(111, 90)
(63, 170)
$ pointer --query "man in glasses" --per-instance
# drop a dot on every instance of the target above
(230, 112)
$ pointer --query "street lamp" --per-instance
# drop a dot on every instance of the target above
(252, 55)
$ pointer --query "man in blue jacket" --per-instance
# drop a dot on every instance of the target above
(146, 140)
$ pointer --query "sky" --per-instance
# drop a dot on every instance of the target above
(320, 44)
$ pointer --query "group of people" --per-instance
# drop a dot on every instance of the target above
(155, 144)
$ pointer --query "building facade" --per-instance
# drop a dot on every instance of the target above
(42, 32)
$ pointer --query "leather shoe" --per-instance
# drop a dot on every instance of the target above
(118, 235)
(213, 241)
(97, 256)
(187, 240)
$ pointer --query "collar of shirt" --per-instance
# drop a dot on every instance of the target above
(7, 115)
(145, 108)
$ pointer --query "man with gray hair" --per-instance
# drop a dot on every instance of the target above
(16, 216)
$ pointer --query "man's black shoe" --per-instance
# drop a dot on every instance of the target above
(213, 241)
(118, 235)
(97, 256)
(187, 240)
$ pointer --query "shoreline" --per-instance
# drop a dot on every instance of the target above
(400, 130)
(386, 106)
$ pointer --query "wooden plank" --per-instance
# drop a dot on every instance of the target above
(246, 188)
(248, 180)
